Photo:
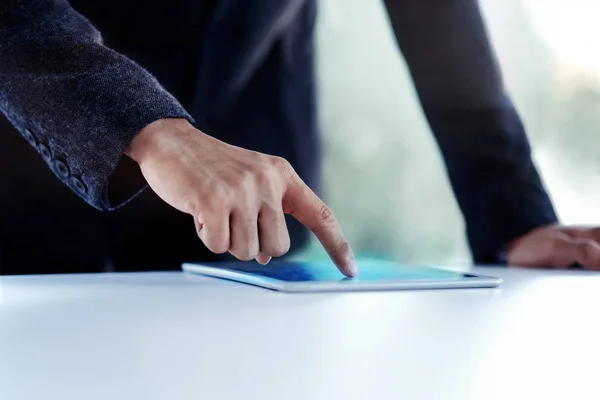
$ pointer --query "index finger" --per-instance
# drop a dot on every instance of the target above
(303, 204)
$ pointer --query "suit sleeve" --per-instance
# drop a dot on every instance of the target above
(481, 137)
(76, 101)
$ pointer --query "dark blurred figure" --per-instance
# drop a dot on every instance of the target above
(109, 96)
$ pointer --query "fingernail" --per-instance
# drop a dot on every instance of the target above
(263, 260)
(353, 268)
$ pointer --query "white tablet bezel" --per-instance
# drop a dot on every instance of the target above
(474, 281)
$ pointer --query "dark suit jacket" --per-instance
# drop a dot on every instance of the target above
(242, 71)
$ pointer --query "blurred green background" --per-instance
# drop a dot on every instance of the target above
(384, 177)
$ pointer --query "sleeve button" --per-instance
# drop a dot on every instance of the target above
(29, 136)
(45, 152)
(79, 185)
(61, 169)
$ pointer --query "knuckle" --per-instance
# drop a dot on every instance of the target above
(325, 215)
(219, 199)
(244, 246)
(282, 247)
(190, 206)
(282, 165)
(246, 254)
(215, 205)
(343, 247)
(268, 185)
(267, 176)
(218, 245)
(245, 180)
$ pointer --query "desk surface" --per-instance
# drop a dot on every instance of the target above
(176, 336)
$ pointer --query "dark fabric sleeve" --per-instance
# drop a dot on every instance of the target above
(481, 137)
(76, 101)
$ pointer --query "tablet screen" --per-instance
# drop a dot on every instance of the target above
(323, 271)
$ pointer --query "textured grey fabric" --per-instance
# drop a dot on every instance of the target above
(76, 101)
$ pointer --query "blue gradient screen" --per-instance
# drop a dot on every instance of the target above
(326, 271)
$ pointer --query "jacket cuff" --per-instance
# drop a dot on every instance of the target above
(77, 102)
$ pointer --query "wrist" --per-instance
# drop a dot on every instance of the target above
(149, 140)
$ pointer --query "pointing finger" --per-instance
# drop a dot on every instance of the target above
(304, 205)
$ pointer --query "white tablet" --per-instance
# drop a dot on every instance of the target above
(288, 276)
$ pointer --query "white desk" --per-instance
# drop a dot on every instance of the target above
(174, 336)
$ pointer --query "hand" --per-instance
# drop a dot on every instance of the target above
(237, 197)
(557, 247)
